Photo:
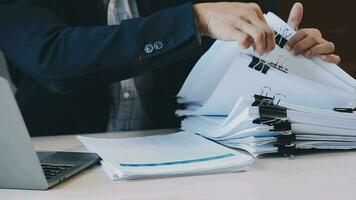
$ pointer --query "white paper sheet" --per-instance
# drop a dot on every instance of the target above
(164, 155)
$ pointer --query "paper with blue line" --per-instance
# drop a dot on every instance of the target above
(180, 153)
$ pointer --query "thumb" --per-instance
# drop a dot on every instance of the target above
(295, 16)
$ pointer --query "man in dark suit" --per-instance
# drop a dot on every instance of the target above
(62, 56)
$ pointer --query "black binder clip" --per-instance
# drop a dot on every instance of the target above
(283, 140)
(270, 114)
(259, 65)
(269, 121)
(345, 110)
(279, 100)
(283, 127)
(263, 66)
(272, 111)
(288, 150)
(280, 40)
(262, 100)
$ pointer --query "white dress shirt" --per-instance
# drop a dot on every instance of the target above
(127, 112)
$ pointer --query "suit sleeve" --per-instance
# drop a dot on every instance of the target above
(65, 58)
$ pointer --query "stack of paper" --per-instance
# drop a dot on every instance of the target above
(181, 153)
(304, 125)
(273, 103)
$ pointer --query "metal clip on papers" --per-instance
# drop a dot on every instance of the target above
(345, 110)
(286, 137)
(287, 150)
(270, 114)
(262, 100)
(276, 116)
(280, 40)
(259, 65)
(275, 111)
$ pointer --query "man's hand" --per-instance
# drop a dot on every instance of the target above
(242, 22)
(309, 42)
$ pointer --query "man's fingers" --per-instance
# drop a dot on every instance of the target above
(271, 40)
(262, 23)
(300, 35)
(295, 16)
(324, 48)
(257, 34)
(221, 20)
(258, 11)
(263, 26)
(332, 58)
(244, 40)
(305, 44)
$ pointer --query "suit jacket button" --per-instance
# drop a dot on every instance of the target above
(149, 48)
(158, 45)
(126, 95)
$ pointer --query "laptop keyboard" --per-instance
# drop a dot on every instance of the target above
(51, 170)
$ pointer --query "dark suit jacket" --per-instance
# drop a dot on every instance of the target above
(62, 57)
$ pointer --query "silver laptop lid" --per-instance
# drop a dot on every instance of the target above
(19, 164)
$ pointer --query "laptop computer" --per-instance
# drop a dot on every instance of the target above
(21, 167)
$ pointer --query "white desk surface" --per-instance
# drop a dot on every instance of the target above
(317, 176)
